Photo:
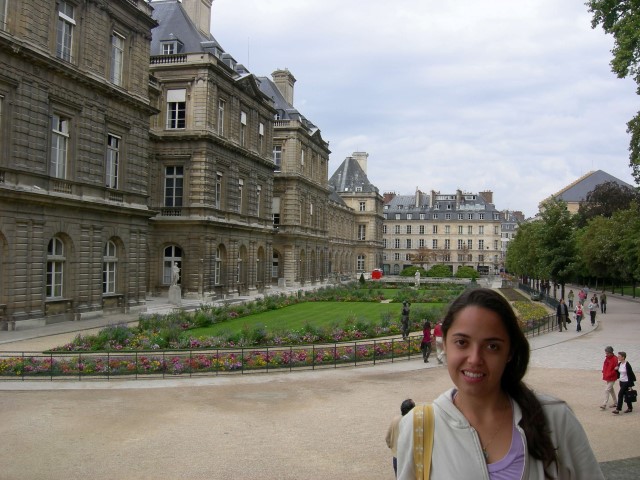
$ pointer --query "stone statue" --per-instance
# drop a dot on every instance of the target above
(417, 278)
(175, 273)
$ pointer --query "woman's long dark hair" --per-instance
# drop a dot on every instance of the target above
(534, 422)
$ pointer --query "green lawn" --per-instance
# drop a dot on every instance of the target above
(318, 314)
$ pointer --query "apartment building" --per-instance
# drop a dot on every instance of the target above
(457, 229)
(74, 122)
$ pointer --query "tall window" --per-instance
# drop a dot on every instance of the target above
(168, 48)
(480, 244)
(172, 254)
(396, 243)
(112, 161)
(421, 243)
(408, 229)
(434, 243)
(241, 201)
(64, 34)
(435, 229)
(397, 229)
(360, 263)
(173, 190)
(260, 137)
(109, 262)
(221, 107)
(218, 190)
(460, 229)
(217, 269)
(55, 268)
(258, 200)
(176, 108)
(421, 230)
(362, 232)
(469, 230)
(447, 244)
(243, 128)
(481, 230)
(117, 58)
(460, 244)
(408, 243)
(363, 206)
(277, 156)
(59, 146)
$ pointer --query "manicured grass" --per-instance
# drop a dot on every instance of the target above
(318, 314)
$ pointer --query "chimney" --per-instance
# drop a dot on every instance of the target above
(284, 81)
(458, 198)
(388, 196)
(361, 158)
(432, 199)
(199, 12)
(417, 204)
(488, 196)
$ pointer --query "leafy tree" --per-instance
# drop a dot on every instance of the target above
(411, 271)
(439, 271)
(604, 200)
(467, 272)
(622, 20)
(523, 258)
(557, 243)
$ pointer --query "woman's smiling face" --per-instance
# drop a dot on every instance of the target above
(478, 349)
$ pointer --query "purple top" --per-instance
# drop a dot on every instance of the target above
(511, 467)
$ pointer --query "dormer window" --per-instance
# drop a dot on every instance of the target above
(171, 47)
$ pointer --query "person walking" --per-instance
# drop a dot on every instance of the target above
(609, 375)
(592, 307)
(603, 302)
(393, 431)
(570, 297)
(490, 424)
(437, 332)
(579, 316)
(627, 380)
(562, 313)
(425, 345)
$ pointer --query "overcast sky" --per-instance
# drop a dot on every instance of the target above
(516, 97)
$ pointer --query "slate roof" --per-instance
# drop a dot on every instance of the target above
(349, 177)
(577, 191)
(285, 109)
(174, 23)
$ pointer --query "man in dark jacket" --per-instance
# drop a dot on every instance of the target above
(562, 313)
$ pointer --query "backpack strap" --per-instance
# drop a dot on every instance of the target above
(423, 429)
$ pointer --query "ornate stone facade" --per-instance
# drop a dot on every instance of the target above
(74, 116)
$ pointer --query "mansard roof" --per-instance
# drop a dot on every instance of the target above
(284, 108)
(175, 24)
(350, 177)
(421, 203)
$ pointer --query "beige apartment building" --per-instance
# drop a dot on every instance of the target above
(457, 229)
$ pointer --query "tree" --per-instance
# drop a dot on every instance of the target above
(622, 20)
(557, 242)
(604, 200)
(523, 257)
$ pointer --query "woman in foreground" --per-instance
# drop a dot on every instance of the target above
(491, 425)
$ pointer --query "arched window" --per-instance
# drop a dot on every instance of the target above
(109, 262)
(55, 268)
(172, 254)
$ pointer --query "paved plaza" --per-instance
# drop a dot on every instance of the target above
(327, 424)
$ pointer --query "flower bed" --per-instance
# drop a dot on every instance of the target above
(199, 362)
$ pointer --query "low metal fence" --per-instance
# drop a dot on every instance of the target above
(154, 364)
(202, 362)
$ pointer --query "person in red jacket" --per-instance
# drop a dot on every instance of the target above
(609, 375)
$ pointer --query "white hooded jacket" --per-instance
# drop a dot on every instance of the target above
(457, 452)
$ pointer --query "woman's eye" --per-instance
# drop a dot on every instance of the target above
(493, 346)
